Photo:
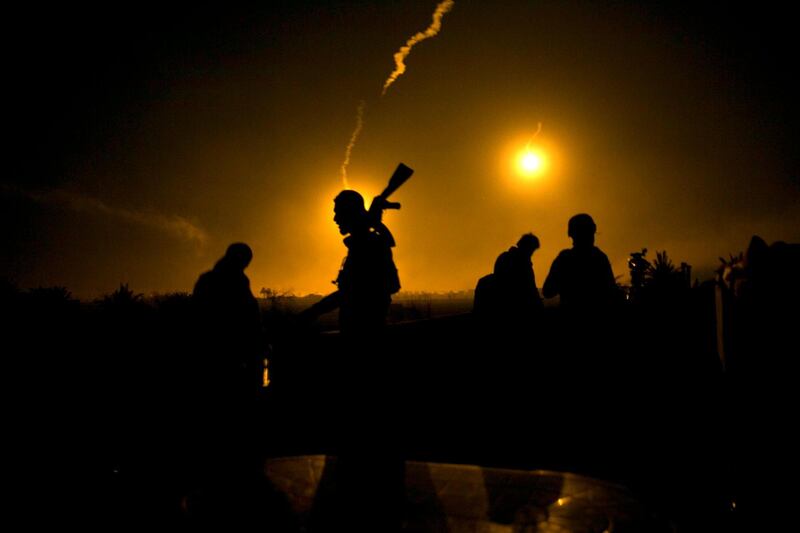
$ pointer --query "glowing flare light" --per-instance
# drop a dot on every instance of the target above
(531, 162)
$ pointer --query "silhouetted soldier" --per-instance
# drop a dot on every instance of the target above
(370, 467)
(230, 323)
(762, 375)
(581, 275)
(368, 276)
(509, 310)
(583, 279)
(766, 309)
(517, 315)
(230, 347)
(516, 282)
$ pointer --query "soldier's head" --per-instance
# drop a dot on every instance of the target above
(581, 229)
(349, 212)
(237, 256)
(528, 243)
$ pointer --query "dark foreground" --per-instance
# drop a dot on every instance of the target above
(639, 403)
(461, 498)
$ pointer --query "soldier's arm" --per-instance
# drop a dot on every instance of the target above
(552, 284)
(608, 273)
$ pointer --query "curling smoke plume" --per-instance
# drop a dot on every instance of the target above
(400, 68)
(353, 138)
(536, 134)
(432, 30)
(175, 225)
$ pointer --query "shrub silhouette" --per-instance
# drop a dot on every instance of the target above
(123, 297)
(56, 297)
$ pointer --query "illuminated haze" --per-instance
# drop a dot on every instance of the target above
(675, 129)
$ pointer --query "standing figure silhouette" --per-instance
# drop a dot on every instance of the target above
(581, 275)
(225, 431)
(514, 298)
(368, 276)
(369, 473)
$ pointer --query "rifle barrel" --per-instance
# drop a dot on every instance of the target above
(399, 177)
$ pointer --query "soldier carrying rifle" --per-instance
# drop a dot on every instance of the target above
(368, 276)
(369, 472)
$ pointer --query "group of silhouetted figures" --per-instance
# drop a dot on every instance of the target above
(233, 355)
(232, 352)
(580, 276)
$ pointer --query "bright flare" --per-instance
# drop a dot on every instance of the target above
(531, 163)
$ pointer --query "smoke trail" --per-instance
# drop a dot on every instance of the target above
(175, 225)
(536, 134)
(400, 68)
(352, 143)
(432, 30)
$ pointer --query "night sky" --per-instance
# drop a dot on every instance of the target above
(144, 141)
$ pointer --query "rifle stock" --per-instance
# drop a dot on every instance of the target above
(380, 203)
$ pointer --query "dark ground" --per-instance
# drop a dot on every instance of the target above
(98, 407)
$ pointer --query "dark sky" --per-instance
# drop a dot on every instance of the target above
(143, 141)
